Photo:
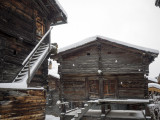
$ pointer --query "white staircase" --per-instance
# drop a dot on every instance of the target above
(82, 111)
(34, 60)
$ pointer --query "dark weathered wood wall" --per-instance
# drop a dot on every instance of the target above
(22, 104)
(122, 75)
(22, 23)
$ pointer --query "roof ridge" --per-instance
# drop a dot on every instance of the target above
(91, 39)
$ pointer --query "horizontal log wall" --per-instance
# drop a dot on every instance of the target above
(153, 89)
(22, 104)
(13, 52)
(81, 62)
(132, 86)
(17, 19)
(18, 37)
(74, 88)
(16, 29)
(122, 68)
(113, 60)
(118, 60)
(80, 88)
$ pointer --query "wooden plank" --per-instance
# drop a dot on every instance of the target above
(22, 104)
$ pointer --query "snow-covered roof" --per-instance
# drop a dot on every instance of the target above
(57, 2)
(152, 79)
(91, 39)
(54, 71)
(155, 85)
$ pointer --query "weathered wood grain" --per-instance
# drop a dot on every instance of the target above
(22, 104)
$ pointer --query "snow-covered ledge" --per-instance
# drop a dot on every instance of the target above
(155, 85)
(14, 85)
(18, 85)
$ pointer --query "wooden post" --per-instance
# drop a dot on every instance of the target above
(49, 41)
(63, 108)
(116, 89)
(87, 87)
(101, 81)
(147, 113)
(61, 80)
(29, 74)
(101, 93)
(103, 108)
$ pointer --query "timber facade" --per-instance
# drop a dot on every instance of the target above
(102, 68)
(23, 25)
(22, 104)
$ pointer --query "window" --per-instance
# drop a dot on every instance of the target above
(109, 88)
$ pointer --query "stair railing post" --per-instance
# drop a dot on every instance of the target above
(49, 41)
(29, 74)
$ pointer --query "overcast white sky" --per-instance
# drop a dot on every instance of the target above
(132, 21)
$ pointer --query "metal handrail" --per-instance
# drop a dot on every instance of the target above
(36, 47)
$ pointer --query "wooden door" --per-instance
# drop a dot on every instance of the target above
(93, 90)
(110, 88)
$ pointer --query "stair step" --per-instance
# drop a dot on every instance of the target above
(35, 58)
(44, 46)
(25, 67)
(43, 43)
(21, 74)
(76, 116)
(31, 63)
(37, 55)
(18, 79)
(41, 48)
(38, 52)
(24, 70)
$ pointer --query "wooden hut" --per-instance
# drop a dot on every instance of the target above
(103, 69)
(24, 49)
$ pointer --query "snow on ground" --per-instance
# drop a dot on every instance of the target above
(51, 117)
